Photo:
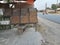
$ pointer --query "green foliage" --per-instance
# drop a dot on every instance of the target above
(8, 1)
(54, 7)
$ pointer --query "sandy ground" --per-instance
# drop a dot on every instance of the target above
(47, 31)
(28, 37)
(50, 31)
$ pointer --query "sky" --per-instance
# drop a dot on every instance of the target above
(40, 4)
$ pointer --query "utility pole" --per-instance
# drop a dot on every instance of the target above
(45, 5)
(46, 8)
(57, 1)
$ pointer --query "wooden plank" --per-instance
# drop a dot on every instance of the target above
(14, 20)
(24, 19)
(24, 15)
(33, 15)
(16, 11)
(7, 12)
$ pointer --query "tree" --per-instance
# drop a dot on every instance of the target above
(54, 7)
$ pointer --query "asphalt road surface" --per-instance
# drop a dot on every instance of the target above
(52, 17)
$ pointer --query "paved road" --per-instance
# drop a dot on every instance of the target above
(54, 18)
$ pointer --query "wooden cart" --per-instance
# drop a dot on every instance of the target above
(19, 13)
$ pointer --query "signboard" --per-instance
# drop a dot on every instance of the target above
(4, 22)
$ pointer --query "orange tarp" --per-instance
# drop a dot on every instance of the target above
(30, 1)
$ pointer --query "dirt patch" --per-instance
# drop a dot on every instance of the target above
(50, 31)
